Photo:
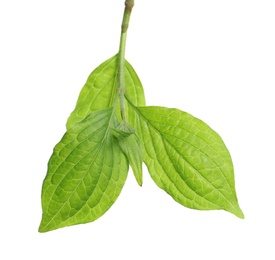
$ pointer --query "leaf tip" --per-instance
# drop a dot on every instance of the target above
(41, 229)
(240, 214)
(44, 226)
(138, 175)
(237, 212)
(139, 183)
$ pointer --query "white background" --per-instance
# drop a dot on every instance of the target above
(213, 59)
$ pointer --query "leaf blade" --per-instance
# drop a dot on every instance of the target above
(187, 159)
(85, 174)
(100, 90)
(130, 145)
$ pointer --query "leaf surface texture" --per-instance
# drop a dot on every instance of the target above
(187, 159)
(100, 91)
(86, 173)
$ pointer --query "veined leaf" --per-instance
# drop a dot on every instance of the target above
(187, 159)
(89, 166)
(86, 173)
(130, 144)
(100, 90)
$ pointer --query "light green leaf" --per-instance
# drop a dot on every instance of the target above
(86, 173)
(130, 144)
(187, 159)
(100, 90)
(121, 133)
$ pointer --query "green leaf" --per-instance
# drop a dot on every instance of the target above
(187, 159)
(100, 91)
(120, 133)
(130, 144)
(86, 173)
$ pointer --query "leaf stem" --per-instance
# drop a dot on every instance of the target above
(121, 56)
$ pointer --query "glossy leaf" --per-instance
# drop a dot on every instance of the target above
(187, 159)
(100, 90)
(86, 173)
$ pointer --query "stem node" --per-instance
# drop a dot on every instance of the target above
(129, 4)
